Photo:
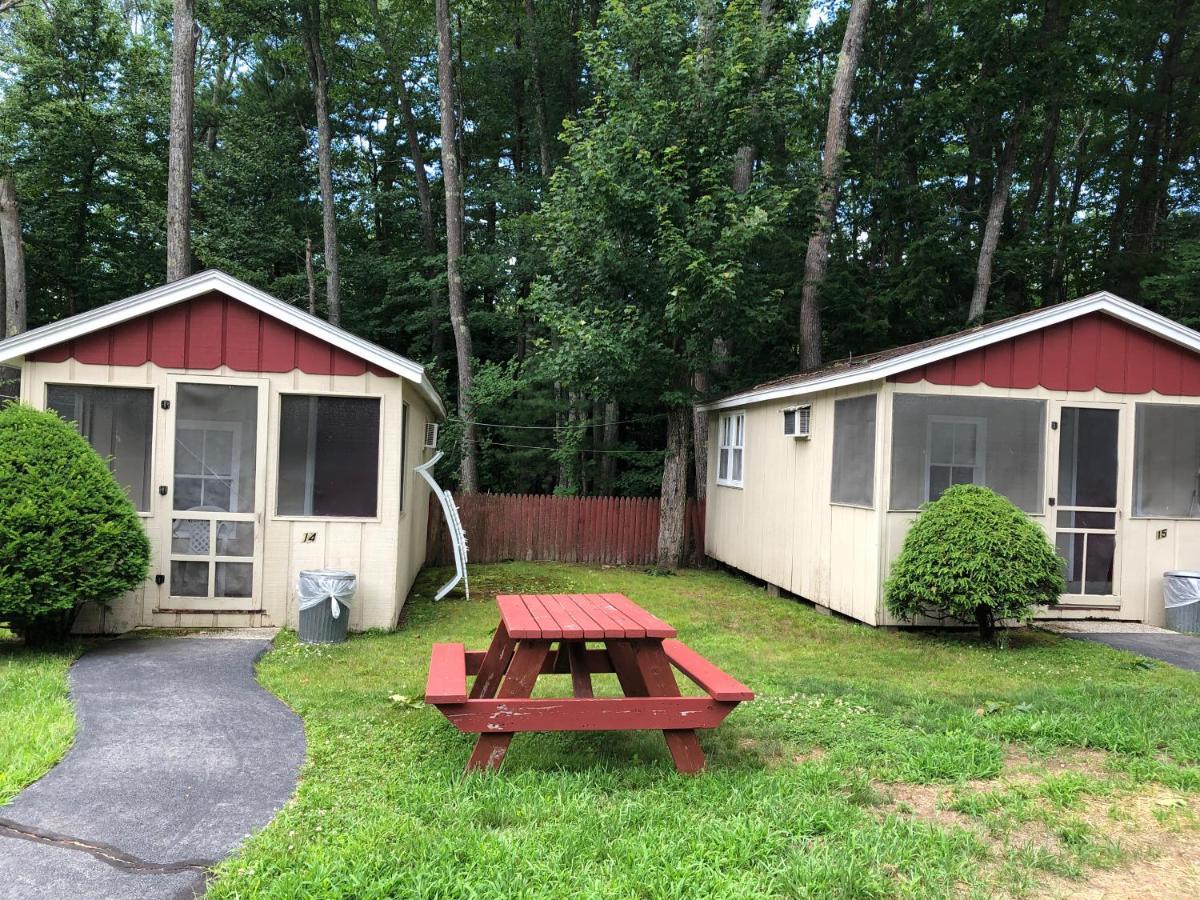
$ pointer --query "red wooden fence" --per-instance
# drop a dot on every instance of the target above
(613, 530)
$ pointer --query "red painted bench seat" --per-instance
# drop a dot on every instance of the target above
(716, 683)
(447, 680)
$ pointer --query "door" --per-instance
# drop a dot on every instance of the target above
(1085, 507)
(216, 494)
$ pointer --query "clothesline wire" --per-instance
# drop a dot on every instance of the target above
(557, 449)
(557, 427)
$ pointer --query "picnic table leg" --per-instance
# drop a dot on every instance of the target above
(625, 665)
(495, 664)
(652, 671)
(518, 682)
(581, 678)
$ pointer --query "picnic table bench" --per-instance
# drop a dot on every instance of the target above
(549, 634)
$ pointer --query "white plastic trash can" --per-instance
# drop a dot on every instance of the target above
(1181, 598)
(325, 596)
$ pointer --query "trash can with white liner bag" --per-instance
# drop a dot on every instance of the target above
(1181, 598)
(325, 596)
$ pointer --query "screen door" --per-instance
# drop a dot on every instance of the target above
(216, 496)
(1086, 511)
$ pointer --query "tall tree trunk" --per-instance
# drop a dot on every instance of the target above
(1044, 171)
(319, 75)
(10, 377)
(179, 163)
(597, 444)
(539, 93)
(3, 296)
(469, 479)
(417, 154)
(14, 259)
(747, 154)
(221, 79)
(673, 507)
(608, 458)
(816, 259)
(1052, 288)
(1143, 221)
(700, 437)
(995, 218)
(310, 277)
(415, 151)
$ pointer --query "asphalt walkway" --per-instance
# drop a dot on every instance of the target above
(179, 755)
(1181, 650)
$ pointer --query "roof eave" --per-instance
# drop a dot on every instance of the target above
(15, 349)
(1101, 301)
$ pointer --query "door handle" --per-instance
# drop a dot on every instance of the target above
(1051, 501)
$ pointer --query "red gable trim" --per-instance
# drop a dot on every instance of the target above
(208, 332)
(1093, 351)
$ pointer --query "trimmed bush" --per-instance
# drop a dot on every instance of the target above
(972, 555)
(68, 533)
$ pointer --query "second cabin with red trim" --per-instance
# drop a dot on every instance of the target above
(255, 440)
(1085, 414)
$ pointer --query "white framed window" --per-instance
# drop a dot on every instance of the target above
(208, 466)
(797, 421)
(956, 452)
(731, 447)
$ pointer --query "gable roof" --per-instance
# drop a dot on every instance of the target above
(885, 363)
(14, 348)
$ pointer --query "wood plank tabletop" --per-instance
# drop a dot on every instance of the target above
(595, 617)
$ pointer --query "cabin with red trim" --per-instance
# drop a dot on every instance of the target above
(1085, 414)
(255, 440)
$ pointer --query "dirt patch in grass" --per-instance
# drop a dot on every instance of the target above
(775, 753)
(1127, 839)
(1160, 836)
(926, 802)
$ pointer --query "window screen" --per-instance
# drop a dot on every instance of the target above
(938, 441)
(854, 451)
(328, 456)
(119, 424)
(216, 447)
(1167, 461)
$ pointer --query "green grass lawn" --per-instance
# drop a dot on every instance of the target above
(873, 764)
(36, 720)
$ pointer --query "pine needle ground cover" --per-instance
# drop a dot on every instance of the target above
(873, 763)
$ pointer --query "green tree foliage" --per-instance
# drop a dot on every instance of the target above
(83, 125)
(68, 533)
(606, 244)
(651, 252)
(972, 555)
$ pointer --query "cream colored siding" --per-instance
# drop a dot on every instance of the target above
(1142, 556)
(386, 551)
(781, 526)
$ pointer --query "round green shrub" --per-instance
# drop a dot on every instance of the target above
(68, 533)
(972, 555)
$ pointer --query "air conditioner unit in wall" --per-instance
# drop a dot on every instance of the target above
(797, 422)
(431, 435)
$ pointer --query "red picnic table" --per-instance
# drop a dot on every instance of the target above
(639, 647)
